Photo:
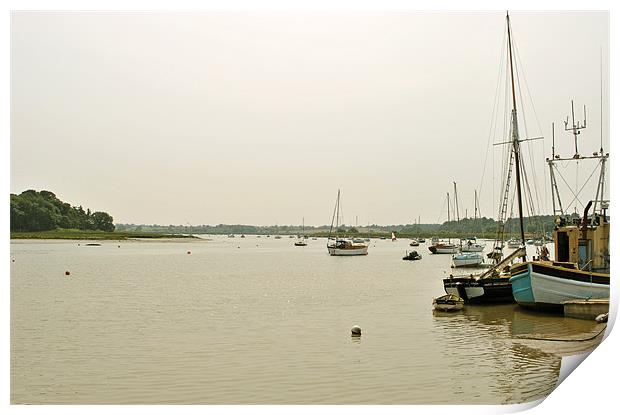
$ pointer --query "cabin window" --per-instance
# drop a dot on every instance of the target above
(562, 247)
(585, 246)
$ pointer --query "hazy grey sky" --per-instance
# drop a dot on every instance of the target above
(259, 117)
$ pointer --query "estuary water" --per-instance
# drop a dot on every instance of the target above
(260, 321)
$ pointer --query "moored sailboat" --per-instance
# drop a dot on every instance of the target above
(340, 246)
(494, 285)
(580, 270)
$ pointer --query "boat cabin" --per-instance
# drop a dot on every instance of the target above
(584, 244)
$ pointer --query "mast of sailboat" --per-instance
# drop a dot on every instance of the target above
(334, 216)
(515, 135)
(476, 205)
(456, 202)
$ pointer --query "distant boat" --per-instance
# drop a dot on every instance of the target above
(341, 246)
(467, 259)
(393, 237)
(471, 245)
(530, 242)
(231, 236)
(243, 236)
(421, 240)
(448, 302)
(513, 243)
(301, 241)
(414, 243)
(277, 237)
(412, 256)
(443, 248)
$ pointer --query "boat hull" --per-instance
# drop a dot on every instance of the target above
(480, 291)
(467, 260)
(435, 249)
(472, 248)
(543, 285)
(348, 251)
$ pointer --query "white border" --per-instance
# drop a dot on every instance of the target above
(589, 390)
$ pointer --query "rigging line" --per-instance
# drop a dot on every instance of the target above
(532, 209)
(531, 158)
(524, 121)
(529, 95)
(494, 110)
(582, 187)
(441, 211)
(527, 88)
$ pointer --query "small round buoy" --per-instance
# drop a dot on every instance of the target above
(119, 246)
(238, 247)
(356, 331)
(67, 273)
(189, 252)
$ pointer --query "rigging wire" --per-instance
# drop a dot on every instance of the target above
(576, 196)
(493, 124)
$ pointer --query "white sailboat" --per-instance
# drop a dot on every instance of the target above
(340, 246)
(302, 240)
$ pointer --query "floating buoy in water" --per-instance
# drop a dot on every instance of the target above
(189, 252)
(356, 331)
(119, 246)
(67, 273)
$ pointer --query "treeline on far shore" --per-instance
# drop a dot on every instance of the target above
(535, 226)
(33, 211)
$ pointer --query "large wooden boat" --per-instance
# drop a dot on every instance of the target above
(581, 266)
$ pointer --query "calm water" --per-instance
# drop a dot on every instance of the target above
(258, 320)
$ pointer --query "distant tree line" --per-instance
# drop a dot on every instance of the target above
(43, 211)
(480, 227)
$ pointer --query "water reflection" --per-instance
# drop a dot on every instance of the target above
(494, 336)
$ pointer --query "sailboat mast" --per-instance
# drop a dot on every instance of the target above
(448, 199)
(456, 202)
(515, 134)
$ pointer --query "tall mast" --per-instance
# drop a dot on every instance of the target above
(475, 204)
(456, 203)
(448, 199)
(515, 135)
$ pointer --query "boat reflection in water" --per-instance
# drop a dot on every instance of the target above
(505, 343)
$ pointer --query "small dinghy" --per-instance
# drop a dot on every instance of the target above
(448, 302)
(412, 256)
(414, 243)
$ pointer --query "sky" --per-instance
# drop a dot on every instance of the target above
(260, 117)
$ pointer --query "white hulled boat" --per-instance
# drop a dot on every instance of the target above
(341, 246)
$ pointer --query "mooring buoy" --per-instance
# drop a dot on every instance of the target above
(189, 252)
(67, 273)
(356, 331)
